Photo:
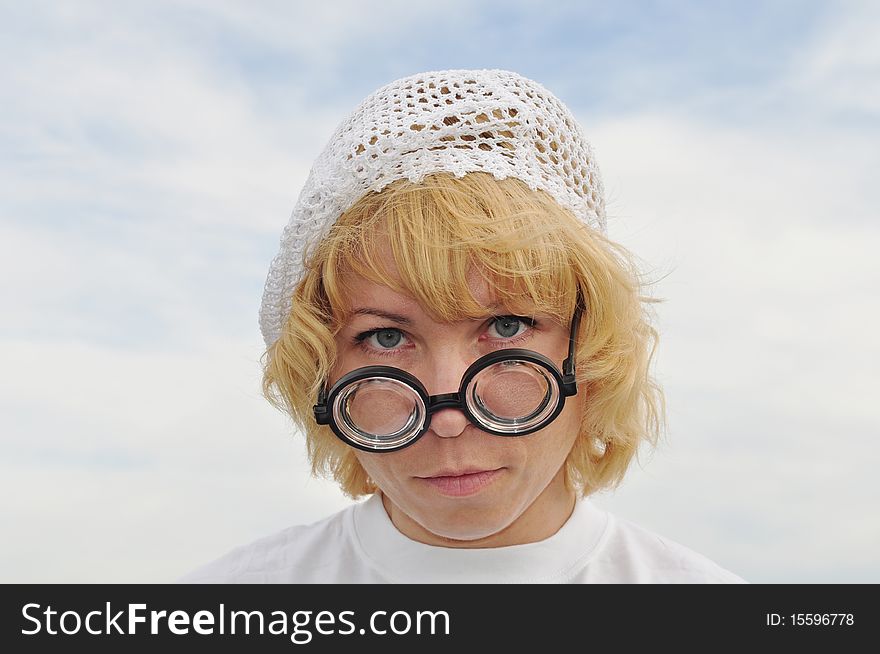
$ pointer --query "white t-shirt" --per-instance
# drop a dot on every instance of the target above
(360, 544)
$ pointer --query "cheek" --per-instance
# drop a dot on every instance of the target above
(562, 433)
(383, 469)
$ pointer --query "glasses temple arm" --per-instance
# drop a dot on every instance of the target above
(568, 366)
(322, 415)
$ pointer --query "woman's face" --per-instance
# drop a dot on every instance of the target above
(458, 485)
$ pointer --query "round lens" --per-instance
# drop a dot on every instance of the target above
(379, 413)
(512, 396)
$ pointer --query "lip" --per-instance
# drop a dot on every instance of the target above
(462, 483)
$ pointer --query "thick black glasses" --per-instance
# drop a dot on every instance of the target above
(509, 392)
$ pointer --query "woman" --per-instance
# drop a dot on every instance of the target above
(450, 327)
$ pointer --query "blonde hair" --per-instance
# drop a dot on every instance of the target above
(532, 250)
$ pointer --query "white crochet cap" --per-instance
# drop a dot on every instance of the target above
(458, 121)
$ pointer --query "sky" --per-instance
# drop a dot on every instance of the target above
(151, 153)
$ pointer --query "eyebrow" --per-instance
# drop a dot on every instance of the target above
(393, 317)
(396, 317)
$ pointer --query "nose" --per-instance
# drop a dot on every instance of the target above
(448, 423)
(446, 377)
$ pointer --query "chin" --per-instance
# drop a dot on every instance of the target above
(464, 525)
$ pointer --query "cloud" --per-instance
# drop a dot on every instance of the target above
(116, 450)
(844, 63)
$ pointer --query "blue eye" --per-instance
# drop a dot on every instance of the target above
(508, 326)
(387, 338)
(384, 340)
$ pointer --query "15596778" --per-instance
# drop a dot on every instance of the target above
(809, 619)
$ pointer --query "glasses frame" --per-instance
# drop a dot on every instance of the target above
(565, 381)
